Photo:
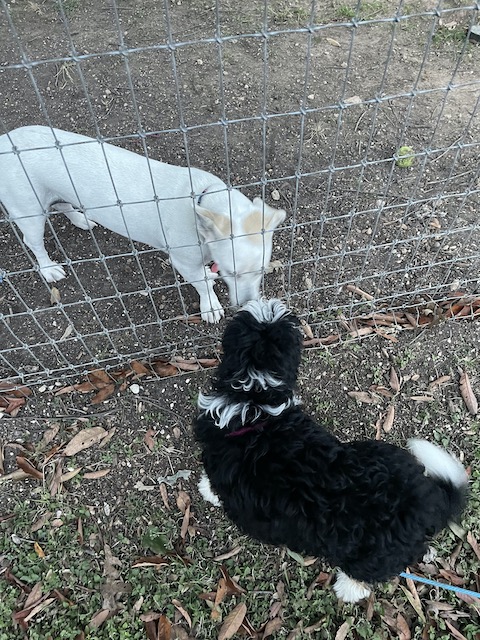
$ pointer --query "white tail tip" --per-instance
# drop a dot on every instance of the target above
(438, 463)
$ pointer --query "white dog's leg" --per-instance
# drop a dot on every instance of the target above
(206, 491)
(348, 589)
(76, 217)
(33, 229)
(202, 278)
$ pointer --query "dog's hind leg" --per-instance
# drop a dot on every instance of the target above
(33, 229)
(76, 216)
(205, 489)
(348, 589)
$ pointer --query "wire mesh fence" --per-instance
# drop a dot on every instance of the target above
(359, 119)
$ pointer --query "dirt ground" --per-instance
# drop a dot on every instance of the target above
(403, 235)
(353, 215)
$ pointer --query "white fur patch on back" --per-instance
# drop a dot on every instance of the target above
(205, 489)
(348, 589)
(266, 310)
(438, 463)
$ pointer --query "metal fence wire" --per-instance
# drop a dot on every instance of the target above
(360, 119)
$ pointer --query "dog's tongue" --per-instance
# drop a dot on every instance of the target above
(214, 268)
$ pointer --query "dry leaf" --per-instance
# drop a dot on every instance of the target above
(334, 43)
(363, 396)
(467, 393)
(307, 330)
(100, 617)
(42, 521)
(228, 554)
(272, 627)
(439, 382)
(70, 474)
(149, 438)
(403, 629)
(455, 632)
(103, 394)
(185, 523)
(94, 475)
(27, 467)
(178, 605)
(389, 418)
(84, 439)
(394, 380)
(151, 561)
(54, 295)
(38, 550)
(183, 501)
(140, 369)
(164, 494)
(233, 622)
(422, 398)
(342, 631)
(473, 543)
(233, 587)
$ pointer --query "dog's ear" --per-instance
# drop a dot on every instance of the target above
(211, 226)
(273, 217)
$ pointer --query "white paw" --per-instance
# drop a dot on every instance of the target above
(211, 315)
(211, 275)
(206, 492)
(350, 590)
(53, 272)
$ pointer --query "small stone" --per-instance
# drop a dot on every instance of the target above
(275, 194)
(135, 388)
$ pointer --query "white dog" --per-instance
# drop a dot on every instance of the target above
(188, 213)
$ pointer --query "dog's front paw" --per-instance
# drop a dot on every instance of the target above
(212, 315)
(53, 272)
(206, 491)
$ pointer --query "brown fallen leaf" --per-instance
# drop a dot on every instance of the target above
(219, 596)
(38, 550)
(178, 605)
(151, 561)
(140, 369)
(363, 396)
(472, 541)
(342, 631)
(41, 522)
(403, 629)
(307, 330)
(233, 587)
(422, 398)
(27, 467)
(100, 617)
(452, 577)
(454, 631)
(183, 501)
(164, 369)
(439, 382)
(65, 477)
(389, 418)
(467, 393)
(164, 494)
(94, 475)
(394, 380)
(233, 622)
(103, 394)
(149, 438)
(272, 627)
(228, 554)
(54, 295)
(185, 523)
(84, 439)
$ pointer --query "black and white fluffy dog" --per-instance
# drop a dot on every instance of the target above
(367, 507)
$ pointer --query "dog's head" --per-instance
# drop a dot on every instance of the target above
(261, 351)
(239, 242)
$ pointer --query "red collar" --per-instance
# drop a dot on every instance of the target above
(256, 426)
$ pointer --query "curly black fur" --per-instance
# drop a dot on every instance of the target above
(367, 507)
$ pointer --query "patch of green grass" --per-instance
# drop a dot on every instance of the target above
(446, 35)
(366, 11)
(289, 13)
